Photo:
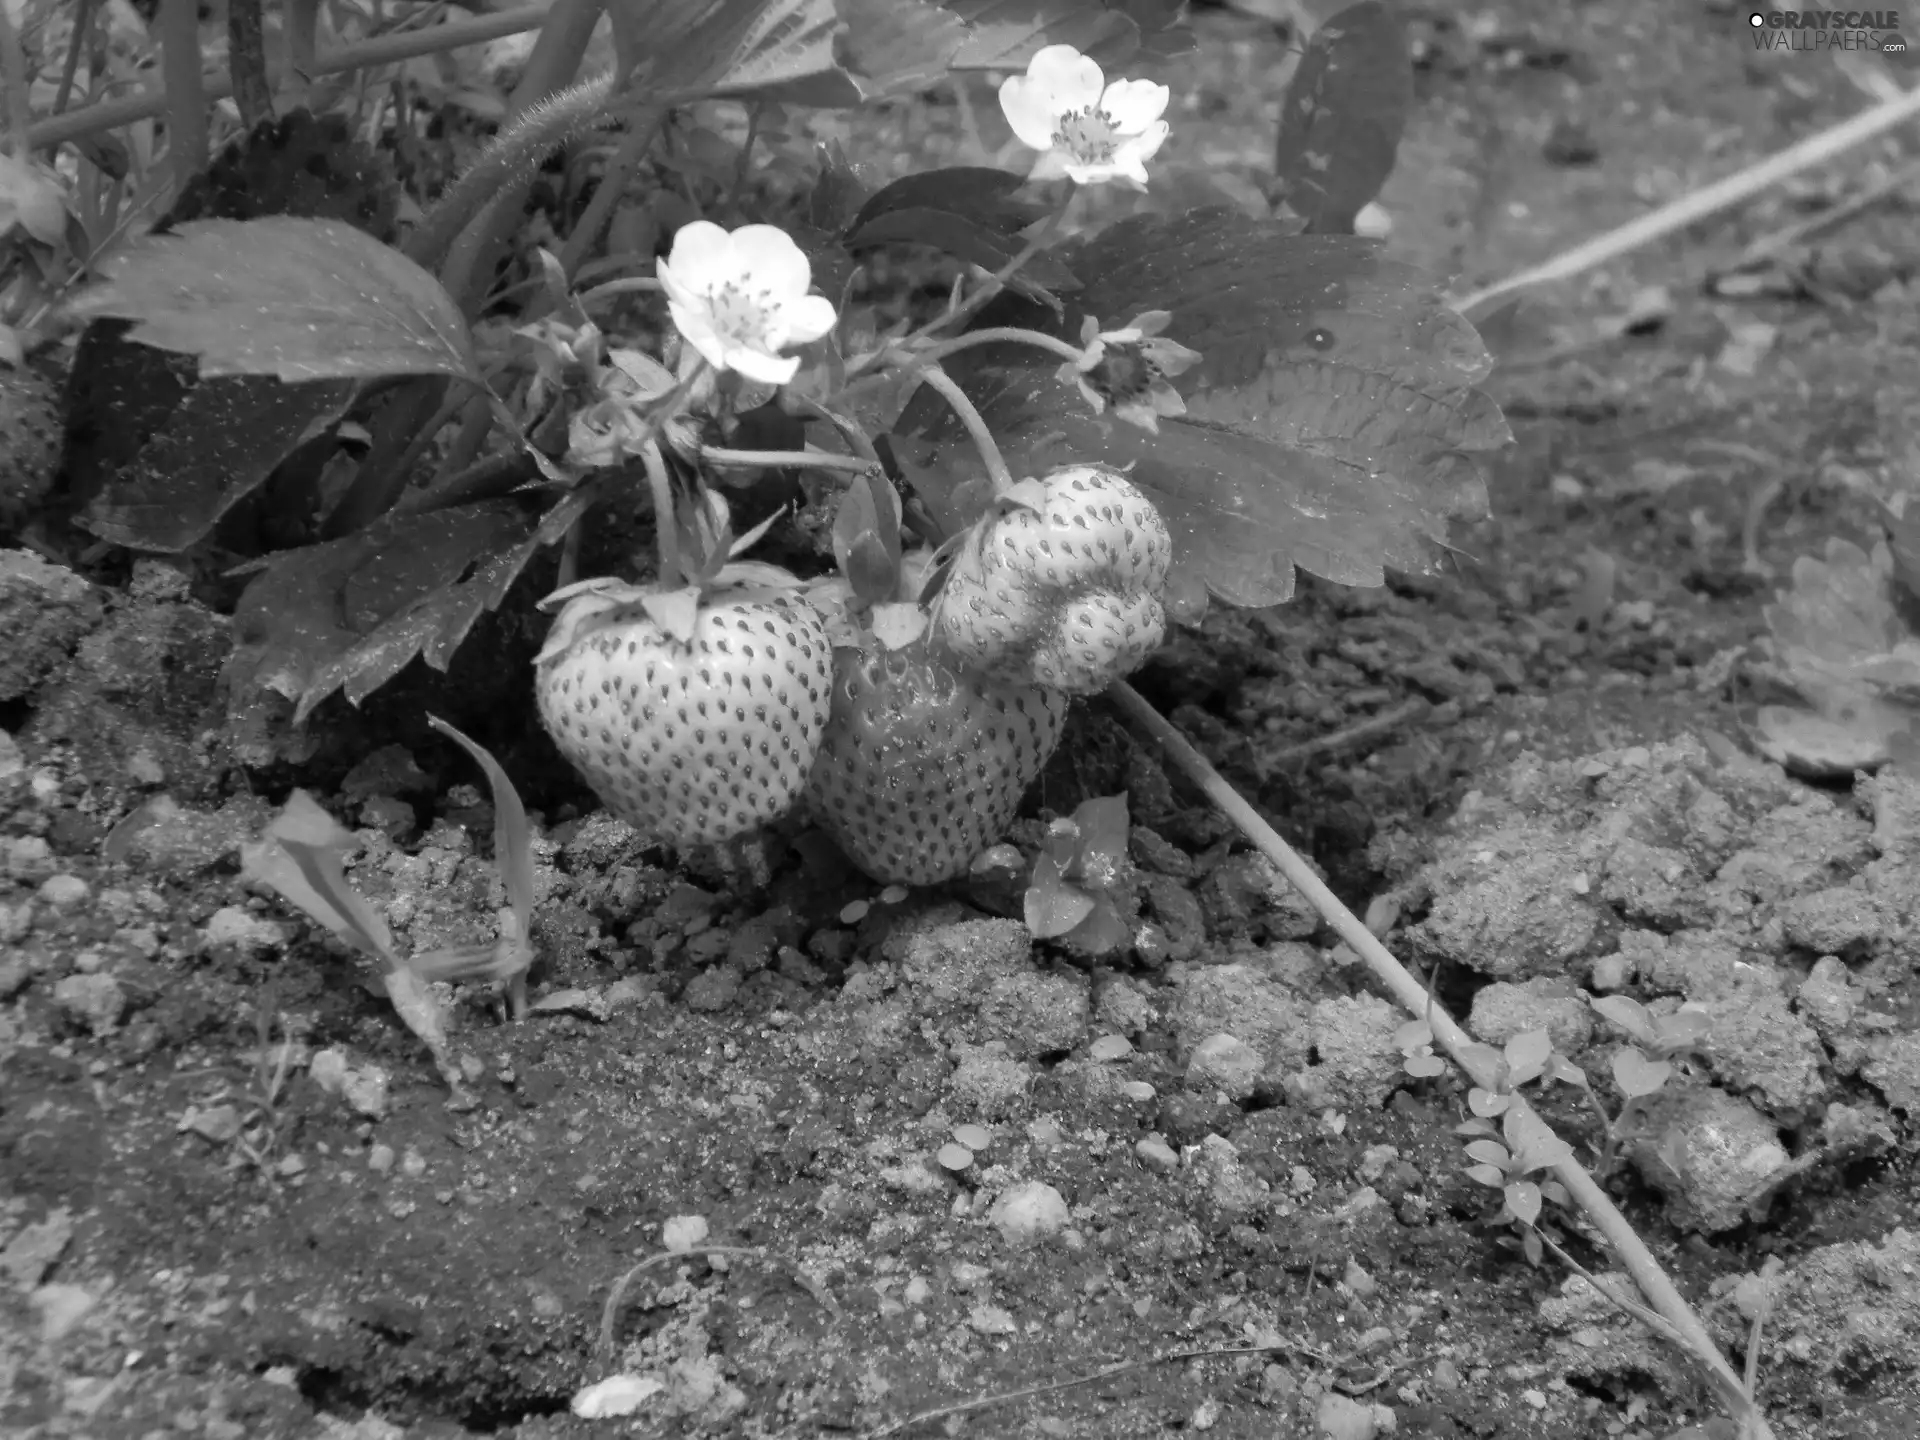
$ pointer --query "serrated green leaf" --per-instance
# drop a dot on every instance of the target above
(896, 46)
(1343, 115)
(352, 613)
(1005, 34)
(1333, 421)
(766, 49)
(295, 299)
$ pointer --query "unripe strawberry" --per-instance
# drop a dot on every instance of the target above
(922, 766)
(694, 741)
(1061, 584)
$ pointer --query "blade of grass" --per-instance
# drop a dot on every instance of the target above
(1633, 1252)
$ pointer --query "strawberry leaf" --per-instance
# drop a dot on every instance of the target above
(966, 211)
(891, 46)
(1342, 119)
(352, 613)
(295, 299)
(1332, 422)
(225, 438)
(1005, 34)
(765, 49)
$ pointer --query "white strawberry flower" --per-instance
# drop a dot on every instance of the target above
(1087, 130)
(740, 298)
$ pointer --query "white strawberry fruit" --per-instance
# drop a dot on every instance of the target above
(694, 713)
(1060, 584)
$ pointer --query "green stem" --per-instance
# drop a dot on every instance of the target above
(633, 285)
(186, 102)
(785, 459)
(13, 67)
(971, 306)
(665, 523)
(247, 62)
(1039, 340)
(614, 180)
(937, 379)
(381, 50)
(82, 28)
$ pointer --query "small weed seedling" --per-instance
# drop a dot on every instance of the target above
(1524, 1147)
(1077, 890)
(1663, 1046)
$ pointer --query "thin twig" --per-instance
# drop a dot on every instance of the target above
(1412, 996)
(247, 62)
(785, 459)
(1385, 723)
(1818, 149)
(1767, 246)
(611, 1311)
(82, 27)
(1110, 1372)
(381, 50)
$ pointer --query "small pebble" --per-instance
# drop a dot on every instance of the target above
(991, 1320)
(855, 912)
(1156, 1154)
(380, 1159)
(681, 1233)
(974, 1137)
(893, 894)
(954, 1156)
(1029, 1212)
(63, 892)
(1138, 1090)
(968, 1277)
(1111, 1047)
(615, 1396)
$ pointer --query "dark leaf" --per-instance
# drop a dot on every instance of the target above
(1104, 931)
(964, 239)
(839, 191)
(767, 49)
(978, 192)
(223, 440)
(893, 46)
(295, 299)
(1343, 116)
(1333, 421)
(298, 164)
(353, 612)
(1005, 34)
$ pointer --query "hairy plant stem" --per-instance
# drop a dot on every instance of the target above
(1013, 334)
(247, 62)
(1640, 1263)
(186, 101)
(82, 28)
(936, 379)
(381, 50)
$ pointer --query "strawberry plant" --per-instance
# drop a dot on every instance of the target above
(1095, 437)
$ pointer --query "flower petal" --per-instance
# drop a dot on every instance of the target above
(702, 256)
(770, 261)
(1029, 110)
(1071, 80)
(1146, 144)
(757, 365)
(695, 325)
(807, 319)
(1132, 105)
(1052, 165)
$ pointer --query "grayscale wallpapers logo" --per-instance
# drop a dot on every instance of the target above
(1790, 31)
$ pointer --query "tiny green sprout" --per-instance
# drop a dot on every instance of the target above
(1527, 1057)
(1529, 1147)
(1077, 890)
(1414, 1040)
(1662, 1045)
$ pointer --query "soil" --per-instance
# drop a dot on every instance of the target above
(900, 1156)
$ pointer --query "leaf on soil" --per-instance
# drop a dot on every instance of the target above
(224, 439)
(768, 49)
(295, 299)
(1343, 116)
(1843, 639)
(1054, 906)
(891, 46)
(966, 211)
(1006, 34)
(508, 957)
(1333, 422)
(301, 856)
(354, 612)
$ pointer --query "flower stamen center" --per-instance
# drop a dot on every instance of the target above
(1086, 134)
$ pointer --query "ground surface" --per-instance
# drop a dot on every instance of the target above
(236, 1204)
